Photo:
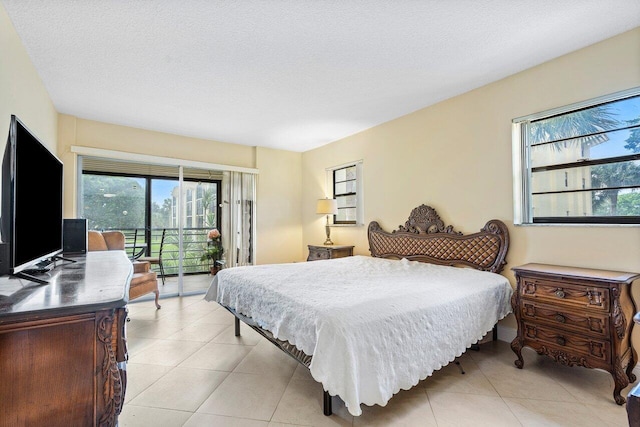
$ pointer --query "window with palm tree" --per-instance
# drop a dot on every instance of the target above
(580, 164)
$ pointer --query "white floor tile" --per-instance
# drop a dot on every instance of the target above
(140, 416)
(182, 389)
(247, 396)
(186, 367)
(219, 357)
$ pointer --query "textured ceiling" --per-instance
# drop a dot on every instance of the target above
(291, 74)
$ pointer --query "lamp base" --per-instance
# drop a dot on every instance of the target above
(328, 241)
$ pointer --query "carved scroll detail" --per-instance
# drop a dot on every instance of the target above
(112, 389)
(424, 220)
(619, 319)
(564, 358)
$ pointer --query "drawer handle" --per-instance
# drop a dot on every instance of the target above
(595, 297)
(560, 318)
(560, 293)
(561, 341)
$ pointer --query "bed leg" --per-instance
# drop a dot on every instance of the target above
(494, 337)
(237, 327)
(327, 404)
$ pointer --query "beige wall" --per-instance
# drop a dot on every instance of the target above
(88, 133)
(279, 197)
(279, 234)
(456, 157)
(22, 93)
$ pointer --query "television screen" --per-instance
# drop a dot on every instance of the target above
(32, 198)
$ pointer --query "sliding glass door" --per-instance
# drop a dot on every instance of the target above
(162, 216)
(185, 223)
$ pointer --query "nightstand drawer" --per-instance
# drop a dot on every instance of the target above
(565, 294)
(329, 252)
(319, 254)
(558, 340)
(595, 323)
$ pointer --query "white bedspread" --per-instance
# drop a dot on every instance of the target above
(374, 326)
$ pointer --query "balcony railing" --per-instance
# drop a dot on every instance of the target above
(194, 244)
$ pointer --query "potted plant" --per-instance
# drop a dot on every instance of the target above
(213, 251)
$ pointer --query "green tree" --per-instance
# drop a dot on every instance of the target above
(633, 142)
(629, 204)
(113, 202)
(605, 200)
(209, 204)
(574, 125)
(161, 215)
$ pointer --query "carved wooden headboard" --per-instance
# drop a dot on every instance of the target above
(425, 238)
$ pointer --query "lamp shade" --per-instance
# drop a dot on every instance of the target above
(327, 206)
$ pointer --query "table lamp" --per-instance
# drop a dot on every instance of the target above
(327, 207)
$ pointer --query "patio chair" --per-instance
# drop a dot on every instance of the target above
(137, 249)
(157, 259)
(143, 280)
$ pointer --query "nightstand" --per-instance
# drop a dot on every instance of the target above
(317, 252)
(578, 317)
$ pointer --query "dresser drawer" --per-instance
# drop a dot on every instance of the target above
(586, 322)
(565, 294)
(567, 342)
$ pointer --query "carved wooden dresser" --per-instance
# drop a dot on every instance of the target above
(578, 317)
(62, 344)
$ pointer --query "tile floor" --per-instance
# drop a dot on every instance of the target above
(192, 283)
(186, 368)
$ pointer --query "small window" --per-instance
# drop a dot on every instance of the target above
(346, 184)
(579, 164)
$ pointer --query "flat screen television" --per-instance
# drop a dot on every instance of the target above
(32, 191)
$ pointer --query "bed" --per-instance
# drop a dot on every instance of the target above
(369, 326)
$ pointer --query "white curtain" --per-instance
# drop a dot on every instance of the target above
(238, 218)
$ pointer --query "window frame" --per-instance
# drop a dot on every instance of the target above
(522, 193)
(330, 173)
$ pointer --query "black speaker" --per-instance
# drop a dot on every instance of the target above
(74, 236)
(4, 259)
